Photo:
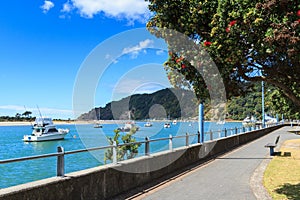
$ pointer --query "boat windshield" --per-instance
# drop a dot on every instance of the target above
(52, 130)
(38, 130)
(43, 121)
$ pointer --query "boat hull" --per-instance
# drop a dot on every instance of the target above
(127, 129)
(147, 124)
(44, 137)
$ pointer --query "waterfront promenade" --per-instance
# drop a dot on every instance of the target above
(235, 175)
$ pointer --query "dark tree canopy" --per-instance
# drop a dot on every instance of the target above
(27, 113)
(249, 40)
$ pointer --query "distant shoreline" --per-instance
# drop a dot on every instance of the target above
(22, 123)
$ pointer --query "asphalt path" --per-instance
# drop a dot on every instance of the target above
(227, 177)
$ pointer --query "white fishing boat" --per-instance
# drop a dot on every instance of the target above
(45, 130)
(98, 124)
(174, 122)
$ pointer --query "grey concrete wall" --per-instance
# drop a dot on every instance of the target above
(107, 181)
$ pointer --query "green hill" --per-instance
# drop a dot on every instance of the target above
(166, 103)
(178, 103)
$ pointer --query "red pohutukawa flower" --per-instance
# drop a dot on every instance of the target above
(298, 13)
(183, 66)
(179, 60)
(207, 43)
(232, 23)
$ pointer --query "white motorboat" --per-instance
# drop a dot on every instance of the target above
(249, 121)
(167, 125)
(128, 126)
(221, 122)
(148, 124)
(174, 122)
(45, 130)
(270, 120)
(98, 125)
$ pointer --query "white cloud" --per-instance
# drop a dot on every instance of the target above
(47, 6)
(110, 57)
(132, 10)
(135, 50)
(67, 7)
(160, 52)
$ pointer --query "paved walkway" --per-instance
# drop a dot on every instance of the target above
(227, 177)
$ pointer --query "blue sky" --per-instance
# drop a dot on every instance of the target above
(44, 45)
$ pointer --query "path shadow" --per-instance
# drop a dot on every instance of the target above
(291, 191)
(287, 154)
(283, 154)
(241, 158)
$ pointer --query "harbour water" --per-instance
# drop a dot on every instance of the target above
(81, 137)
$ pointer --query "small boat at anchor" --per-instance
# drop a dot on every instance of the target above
(98, 125)
(148, 124)
(128, 126)
(249, 121)
(167, 125)
(45, 130)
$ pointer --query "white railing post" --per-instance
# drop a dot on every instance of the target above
(114, 152)
(211, 135)
(186, 139)
(170, 142)
(147, 146)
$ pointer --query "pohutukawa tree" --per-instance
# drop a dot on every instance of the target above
(249, 40)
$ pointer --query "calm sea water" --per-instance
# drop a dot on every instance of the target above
(80, 137)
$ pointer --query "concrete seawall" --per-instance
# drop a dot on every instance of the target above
(107, 181)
